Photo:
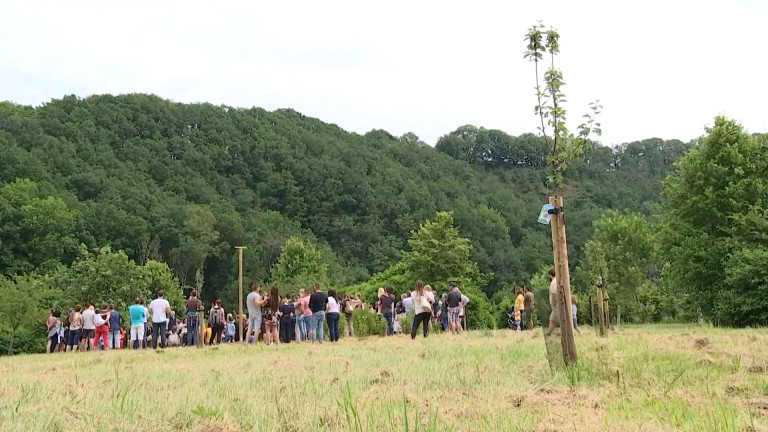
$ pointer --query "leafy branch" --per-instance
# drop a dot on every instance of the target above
(550, 107)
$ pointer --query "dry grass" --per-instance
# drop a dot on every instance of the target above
(641, 378)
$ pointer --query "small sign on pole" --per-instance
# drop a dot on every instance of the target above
(545, 216)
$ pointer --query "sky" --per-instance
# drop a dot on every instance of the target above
(659, 68)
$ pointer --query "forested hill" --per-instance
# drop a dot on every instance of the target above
(185, 183)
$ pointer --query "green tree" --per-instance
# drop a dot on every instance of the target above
(25, 302)
(301, 264)
(713, 236)
(112, 277)
(623, 250)
(183, 183)
(565, 148)
(36, 231)
(198, 240)
(158, 276)
(439, 254)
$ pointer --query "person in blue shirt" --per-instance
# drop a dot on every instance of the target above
(114, 327)
(137, 313)
(230, 334)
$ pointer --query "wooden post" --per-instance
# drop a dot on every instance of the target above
(560, 247)
(600, 311)
(240, 290)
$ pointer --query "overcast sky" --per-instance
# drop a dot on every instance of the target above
(660, 68)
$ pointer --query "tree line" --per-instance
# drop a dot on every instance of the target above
(182, 184)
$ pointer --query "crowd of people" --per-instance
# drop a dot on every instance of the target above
(271, 318)
(275, 319)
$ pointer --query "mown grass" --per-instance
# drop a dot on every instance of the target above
(652, 378)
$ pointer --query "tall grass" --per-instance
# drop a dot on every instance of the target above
(642, 378)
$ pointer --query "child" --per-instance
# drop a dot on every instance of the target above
(573, 311)
(230, 335)
(519, 304)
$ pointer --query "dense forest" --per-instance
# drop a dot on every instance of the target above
(183, 184)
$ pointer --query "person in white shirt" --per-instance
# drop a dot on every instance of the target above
(159, 309)
(332, 315)
(421, 299)
(102, 330)
(409, 307)
(89, 327)
(463, 311)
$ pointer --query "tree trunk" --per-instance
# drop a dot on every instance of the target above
(601, 311)
(11, 340)
(560, 247)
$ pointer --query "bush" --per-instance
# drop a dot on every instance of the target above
(502, 301)
(27, 340)
(406, 322)
(368, 323)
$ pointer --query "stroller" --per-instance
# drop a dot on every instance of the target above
(511, 318)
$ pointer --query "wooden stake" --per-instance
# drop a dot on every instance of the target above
(601, 311)
(560, 247)
(240, 290)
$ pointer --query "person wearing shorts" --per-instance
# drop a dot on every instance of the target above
(136, 311)
(254, 303)
(75, 328)
(89, 327)
(454, 308)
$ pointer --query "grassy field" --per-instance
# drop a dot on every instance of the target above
(638, 379)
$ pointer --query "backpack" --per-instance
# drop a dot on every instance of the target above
(217, 316)
(400, 308)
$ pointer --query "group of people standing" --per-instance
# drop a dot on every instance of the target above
(271, 317)
(425, 307)
(86, 328)
(303, 316)
(299, 318)
(520, 315)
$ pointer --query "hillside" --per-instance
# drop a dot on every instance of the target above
(184, 183)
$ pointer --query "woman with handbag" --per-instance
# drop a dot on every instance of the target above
(422, 303)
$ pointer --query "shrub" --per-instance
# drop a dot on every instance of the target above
(368, 323)
(406, 321)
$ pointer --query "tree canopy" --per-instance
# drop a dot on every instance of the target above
(714, 235)
(171, 185)
(185, 183)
